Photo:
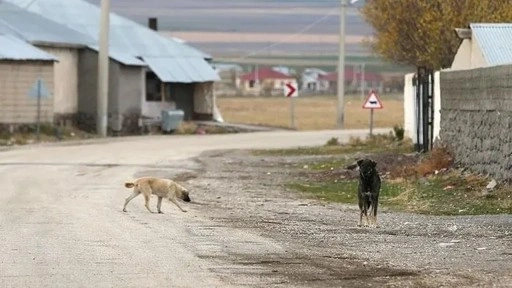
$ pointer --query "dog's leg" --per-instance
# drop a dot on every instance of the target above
(176, 203)
(376, 204)
(134, 194)
(159, 205)
(366, 206)
(146, 200)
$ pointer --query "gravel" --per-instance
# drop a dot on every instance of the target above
(325, 248)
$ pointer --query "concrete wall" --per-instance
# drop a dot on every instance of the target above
(16, 80)
(126, 90)
(203, 101)
(65, 81)
(476, 118)
(87, 88)
(131, 91)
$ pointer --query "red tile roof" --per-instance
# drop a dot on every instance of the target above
(349, 76)
(264, 73)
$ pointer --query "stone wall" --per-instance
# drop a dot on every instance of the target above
(476, 110)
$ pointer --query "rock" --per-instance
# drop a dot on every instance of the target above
(452, 228)
(445, 244)
(491, 185)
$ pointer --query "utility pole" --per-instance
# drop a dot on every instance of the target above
(363, 82)
(341, 67)
(103, 58)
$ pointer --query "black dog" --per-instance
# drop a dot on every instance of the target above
(368, 190)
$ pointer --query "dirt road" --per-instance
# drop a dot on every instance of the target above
(61, 223)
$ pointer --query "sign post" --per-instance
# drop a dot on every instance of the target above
(291, 91)
(38, 91)
(372, 102)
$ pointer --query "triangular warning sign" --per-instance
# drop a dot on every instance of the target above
(373, 101)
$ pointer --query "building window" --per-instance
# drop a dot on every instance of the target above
(153, 87)
(251, 83)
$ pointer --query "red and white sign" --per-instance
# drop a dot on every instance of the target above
(290, 89)
(373, 101)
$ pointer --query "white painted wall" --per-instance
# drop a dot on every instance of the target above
(437, 105)
(462, 61)
(410, 107)
(468, 56)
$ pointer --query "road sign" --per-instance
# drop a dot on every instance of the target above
(290, 89)
(373, 101)
(39, 90)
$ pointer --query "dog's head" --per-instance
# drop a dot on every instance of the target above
(183, 193)
(366, 167)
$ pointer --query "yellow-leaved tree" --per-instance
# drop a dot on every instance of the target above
(421, 32)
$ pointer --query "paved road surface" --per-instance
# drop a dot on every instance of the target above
(61, 223)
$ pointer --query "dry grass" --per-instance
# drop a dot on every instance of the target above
(311, 113)
(439, 158)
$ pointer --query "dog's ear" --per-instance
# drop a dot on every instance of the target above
(359, 162)
(374, 164)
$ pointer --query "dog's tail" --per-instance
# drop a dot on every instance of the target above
(129, 184)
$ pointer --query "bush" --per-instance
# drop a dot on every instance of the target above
(399, 132)
(333, 142)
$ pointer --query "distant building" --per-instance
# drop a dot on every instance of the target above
(264, 81)
(228, 74)
(21, 65)
(310, 80)
(372, 81)
(285, 70)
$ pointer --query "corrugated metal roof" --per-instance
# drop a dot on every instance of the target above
(12, 48)
(183, 70)
(125, 35)
(36, 28)
(121, 57)
(495, 41)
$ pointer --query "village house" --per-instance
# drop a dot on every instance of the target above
(311, 82)
(264, 81)
(483, 45)
(57, 40)
(21, 66)
(148, 73)
(372, 81)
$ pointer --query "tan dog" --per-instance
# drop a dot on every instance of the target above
(159, 187)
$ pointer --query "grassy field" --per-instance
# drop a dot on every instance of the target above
(311, 113)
